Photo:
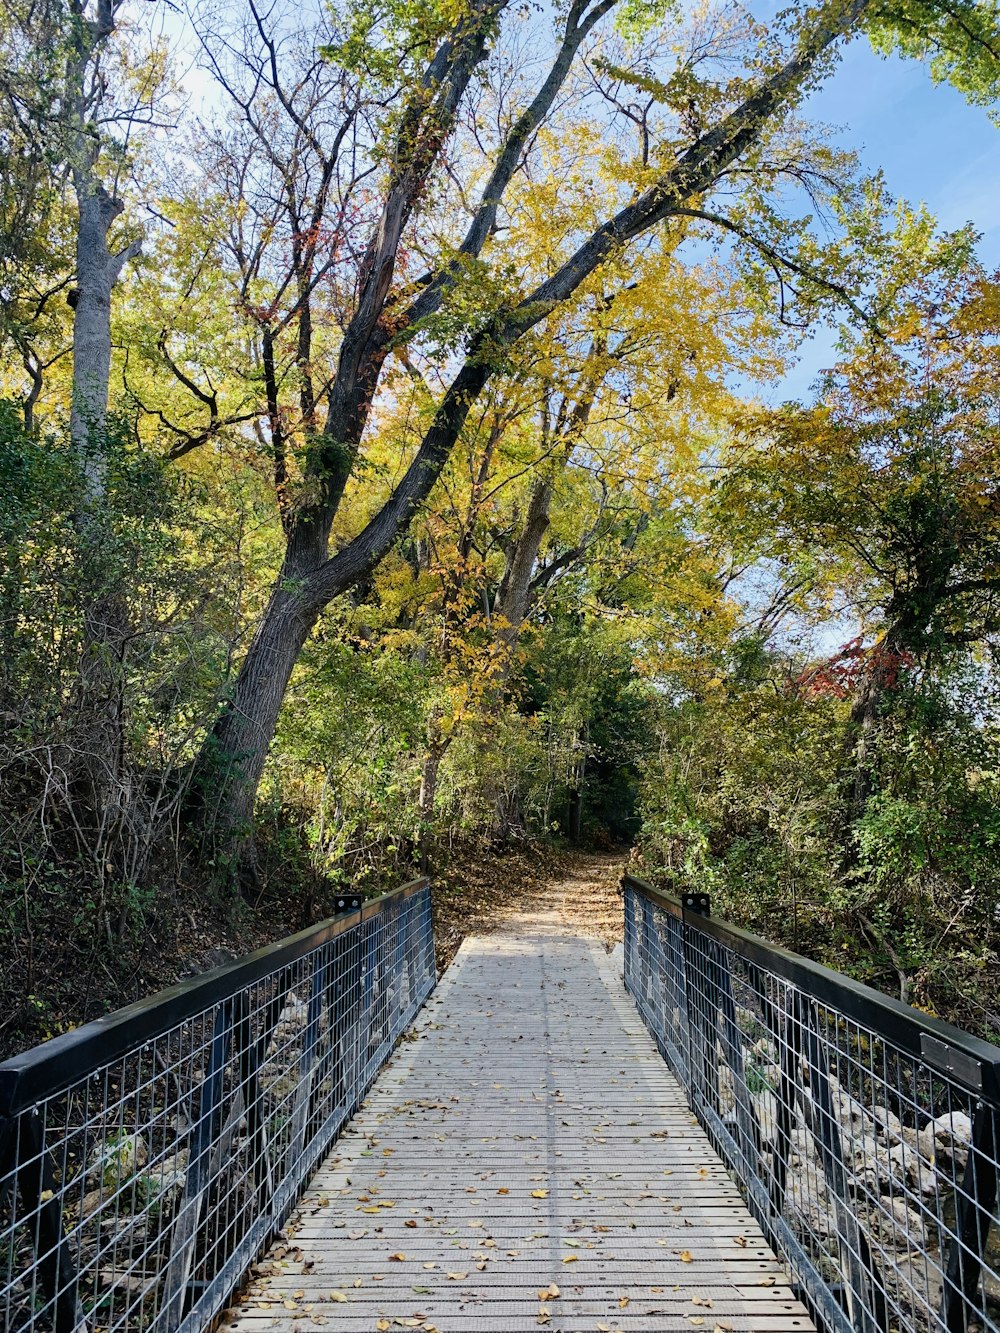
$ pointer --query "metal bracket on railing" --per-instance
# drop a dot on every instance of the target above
(349, 902)
(699, 903)
(956, 1064)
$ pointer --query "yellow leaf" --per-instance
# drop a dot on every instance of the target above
(685, 1256)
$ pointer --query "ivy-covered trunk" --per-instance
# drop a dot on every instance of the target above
(105, 617)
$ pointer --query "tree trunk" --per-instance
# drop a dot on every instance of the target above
(574, 819)
(436, 748)
(232, 760)
(515, 590)
(105, 613)
(96, 273)
(105, 619)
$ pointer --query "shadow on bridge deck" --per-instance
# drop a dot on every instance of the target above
(526, 1160)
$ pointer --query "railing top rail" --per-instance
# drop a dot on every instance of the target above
(57, 1064)
(966, 1059)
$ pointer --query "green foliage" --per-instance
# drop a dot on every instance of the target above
(635, 18)
(582, 684)
(62, 857)
(849, 801)
(745, 803)
(348, 765)
(960, 42)
(378, 39)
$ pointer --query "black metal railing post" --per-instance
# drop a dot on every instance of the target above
(203, 1134)
(25, 1158)
(630, 949)
(703, 1071)
(974, 1219)
(866, 1290)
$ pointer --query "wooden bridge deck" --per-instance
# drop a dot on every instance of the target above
(525, 1161)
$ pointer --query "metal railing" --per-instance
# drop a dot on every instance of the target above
(147, 1158)
(863, 1133)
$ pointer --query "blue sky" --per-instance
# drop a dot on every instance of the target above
(933, 147)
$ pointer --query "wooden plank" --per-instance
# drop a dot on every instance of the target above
(528, 1135)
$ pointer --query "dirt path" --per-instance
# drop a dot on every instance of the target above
(586, 898)
(575, 889)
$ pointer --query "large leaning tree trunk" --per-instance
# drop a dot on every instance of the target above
(235, 751)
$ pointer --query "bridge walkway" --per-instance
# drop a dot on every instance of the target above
(525, 1160)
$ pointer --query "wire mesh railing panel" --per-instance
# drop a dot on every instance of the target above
(145, 1160)
(865, 1135)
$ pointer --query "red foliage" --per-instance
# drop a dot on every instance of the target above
(840, 676)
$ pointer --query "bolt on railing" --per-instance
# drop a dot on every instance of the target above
(147, 1158)
(864, 1134)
